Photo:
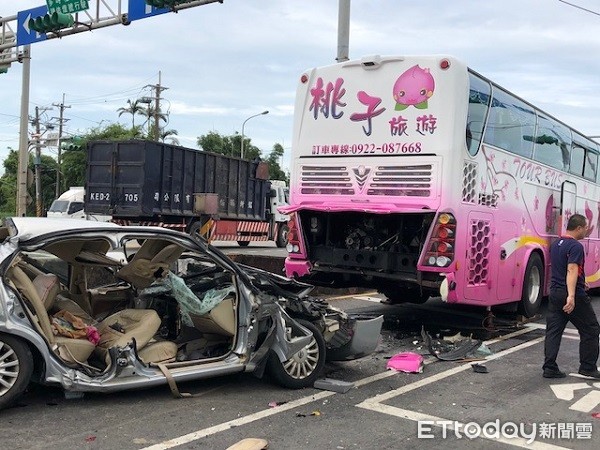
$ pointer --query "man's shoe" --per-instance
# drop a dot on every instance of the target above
(554, 374)
(590, 373)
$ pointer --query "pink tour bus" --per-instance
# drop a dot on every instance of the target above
(419, 177)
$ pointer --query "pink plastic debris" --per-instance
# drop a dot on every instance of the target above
(406, 362)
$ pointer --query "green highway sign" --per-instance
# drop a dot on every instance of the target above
(67, 6)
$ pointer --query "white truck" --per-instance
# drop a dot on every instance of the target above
(70, 204)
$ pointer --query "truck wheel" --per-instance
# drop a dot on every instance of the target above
(243, 243)
(282, 235)
(16, 367)
(533, 283)
(304, 367)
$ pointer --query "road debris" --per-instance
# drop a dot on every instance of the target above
(465, 348)
(408, 362)
(250, 444)
(479, 368)
(330, 384)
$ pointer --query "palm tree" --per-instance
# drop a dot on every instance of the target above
(150, 112)
(169, 134)
(135, 107)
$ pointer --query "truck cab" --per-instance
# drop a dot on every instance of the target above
(69, 204)
(279, 198)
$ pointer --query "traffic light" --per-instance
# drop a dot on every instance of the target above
(165, 3)
(51, 22)
(72, 143)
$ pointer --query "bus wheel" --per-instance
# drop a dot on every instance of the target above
(282, 235)
(405, 296)
(243, 243)
(533, 283)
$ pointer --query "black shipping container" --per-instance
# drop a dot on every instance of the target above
(146, 180)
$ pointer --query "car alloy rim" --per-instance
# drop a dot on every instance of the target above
(9, 368)
(303, 363)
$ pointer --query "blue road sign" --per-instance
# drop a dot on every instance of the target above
(25, 35)
(139, 9)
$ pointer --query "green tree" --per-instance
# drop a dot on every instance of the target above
(275, 170)
(134, 108)
(151, 117)
(8, 183)
(228, 145)
(74, 161)
(169, 134)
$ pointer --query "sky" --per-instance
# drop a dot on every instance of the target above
(223, 63)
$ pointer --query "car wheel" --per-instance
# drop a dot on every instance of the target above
(282, 236)
(16, 367)
(533, 283)
(303, 368)
(243, 243)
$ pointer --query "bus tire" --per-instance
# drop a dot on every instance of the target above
(533, 286)
(243, 243)
(282, 235)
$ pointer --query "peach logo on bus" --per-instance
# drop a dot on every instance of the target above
(414, 87)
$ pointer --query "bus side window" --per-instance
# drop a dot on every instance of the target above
(552, 143)
(511, 124)
(479, 100)
(591, 165)
(577, 158)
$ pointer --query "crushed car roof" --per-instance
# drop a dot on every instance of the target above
(27, 227)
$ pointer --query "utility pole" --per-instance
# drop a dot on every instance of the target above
(158, 88)
(343, 30)
(23, 138)
(38, 161)
(61, 120)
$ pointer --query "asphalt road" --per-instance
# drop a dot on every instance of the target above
(384, 410)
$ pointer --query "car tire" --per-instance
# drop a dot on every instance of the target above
(16, 367)
(533, 286)
(282, 236)
(303, 368)
(243, 243)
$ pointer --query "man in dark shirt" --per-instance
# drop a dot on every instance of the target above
(569, 302)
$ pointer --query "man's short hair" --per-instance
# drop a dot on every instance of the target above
(576, 220)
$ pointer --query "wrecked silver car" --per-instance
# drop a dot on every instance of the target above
(99, 307)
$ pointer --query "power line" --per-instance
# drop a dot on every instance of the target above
(579, 7)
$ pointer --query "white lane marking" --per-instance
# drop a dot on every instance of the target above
(441, 375)
(541, 326)
(342, 297)
(187, 438)
(567, 391)
(416, 417)
(293, 404)
(588, 402)
(367, 298)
